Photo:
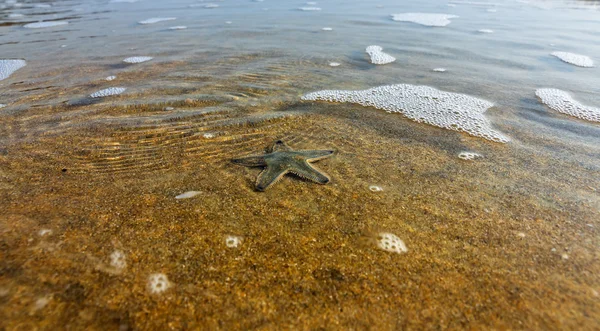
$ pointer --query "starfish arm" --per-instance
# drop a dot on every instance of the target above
(268, 177)
(314, 155)
(251, 161)
(279, 146)
(307, 171)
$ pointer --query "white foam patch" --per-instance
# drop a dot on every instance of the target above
(423, 104)
(8, 67)
(208, 135)
(158, 283)
(39, 25)
(485, 31)
(391, 243)
(562, 102)
(375, 188)
(117, 260)
(178, 27)
(108, 92)
(439, 69)
(575, 59)
(377, 56)
(309, 8)
(156, 20)
(137, 59)
(327, 29)
(426, 19)
(187, 195)
(334, 64)
(233, 241)
(467, 156)
(109, 78)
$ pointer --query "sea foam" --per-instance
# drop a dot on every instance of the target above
(156, 20)
(391, 243)
(39, 25)
(575, 59)
(137, 59)
(8, 67)
(452, 111)
(427, 19)
(108, 92)
(562, 102)
(379, 57)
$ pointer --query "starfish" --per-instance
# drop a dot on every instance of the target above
(281, 159)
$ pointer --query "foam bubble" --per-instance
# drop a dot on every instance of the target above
(158, 283)
(375, 188)
(8, 67)
(562, 102)
(137, 59)
(187, 195)
(178, 27)
(574, 59)
(439, 69)
(109, 78)
(469, 156)
(208, 135)
(233, 241)
(156, 20)
(108, 92)
(39, 25)
(426, 19)
(211, 5)
(452, 111)
(327, 29)
(309, 8)
(117, 260)
(391, 243)
(44, 232)
(379, 57)
(485, 31)
(334, 64)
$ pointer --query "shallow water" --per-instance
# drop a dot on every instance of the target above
(95, 234)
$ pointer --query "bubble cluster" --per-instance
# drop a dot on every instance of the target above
(439, 69)
(156, 20)
(233, 241)
(137, 59)
(574, 59)
(158, 283)
(391, 243)
(108, 92)
(208, 135)
(423, 104)
(562, 102)
(426, 19)
(469, 156)
(379, 57)
(109, 78)
(187, 195)
(117, 260)
(39, 25)
(327, 29)
(334, 64)
(8, 67)
(485, 31)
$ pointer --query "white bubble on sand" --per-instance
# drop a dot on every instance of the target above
(117, 260)
(467, 156)
(108, 92)
(423, 104)
(8, 67)
(44, 232)
(178, 27)
(187, 195)
(427, 19)
(39, 25)
(334, 64)
(233, 241)
(208, 135)
(138, 59)
(41, 303)
(574, 59)
(391, 243)
(158, 283)
(327, 29)
(156, 20)
(109, 78)
(439, 69)
(378, 56)
(375, 188)
(485, 31)
(562, 102)
(309, 8)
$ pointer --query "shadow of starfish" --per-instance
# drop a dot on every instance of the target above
(281, 159)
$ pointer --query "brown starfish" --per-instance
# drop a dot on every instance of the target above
(281, 159)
